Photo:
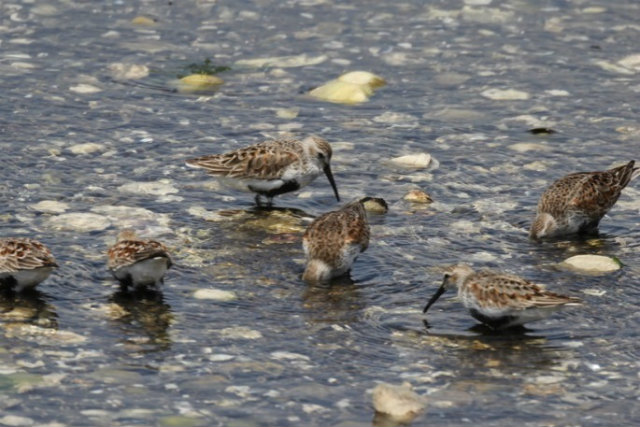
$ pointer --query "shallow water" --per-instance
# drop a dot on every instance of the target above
(277, 351)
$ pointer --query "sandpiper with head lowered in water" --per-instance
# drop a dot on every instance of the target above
(24, 263)
(273, 167)
(577, 202)
(501, 300)
(136, 262)
(334, 240)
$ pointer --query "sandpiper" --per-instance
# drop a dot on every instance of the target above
(24, 263)
(273, 167)
(138, 263)
(577, 202)
(334, 240)
(501, 300)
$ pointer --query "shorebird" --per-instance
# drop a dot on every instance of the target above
(577, 202)
(24, 263)
(138, 263)
(334, 240)
(273, 167)
(501, 300)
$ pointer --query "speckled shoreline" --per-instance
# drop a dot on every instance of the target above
(94, 138)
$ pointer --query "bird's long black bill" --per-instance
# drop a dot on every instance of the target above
(327, 171)
(434, 298)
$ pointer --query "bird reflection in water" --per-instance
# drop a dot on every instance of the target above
(28, 307)
(143, 311)
(338, 301)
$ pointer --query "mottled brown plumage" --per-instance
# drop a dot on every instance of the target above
(577, 202)
(500, 299)
(24, 262)
(272, 167)
(334, 240)
(136, 261)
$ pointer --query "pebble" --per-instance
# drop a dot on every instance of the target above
(86, 148)
(592, 263)
(79, 221)
(85, 88)
(523, 147)
(417, 196)
(214, 294)
(505, 94)
(281, 61)
(15, 420)
(154, 188)
(399, 402)
(197, 83)
(123, 71)
(143, 21)
(50, 206)
(350, 88)
(631, 62)
(418, 160)
(240, 332)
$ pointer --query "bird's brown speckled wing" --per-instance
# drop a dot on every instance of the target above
(498, 290)
(24, 254)
(591, 193)
(266, 160)
(127, 252)
(329, 233)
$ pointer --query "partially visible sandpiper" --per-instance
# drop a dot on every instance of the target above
(138, 263)
(24, 263)
(334, 240)
(577, 202)
(272, 167)
(501, 300)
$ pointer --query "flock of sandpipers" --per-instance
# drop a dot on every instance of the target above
(573, 204)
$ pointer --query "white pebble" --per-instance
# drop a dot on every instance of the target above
(399, 402)
(86, 148)
(15, 420)
(50, 206)
(592, 263)
(85, 88)
(419, 161)
(505, 94)
(214, 294)
(154, 188)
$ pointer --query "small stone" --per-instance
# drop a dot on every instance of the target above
(417, 161)
(214, 294)
(417, 196)
(15, 420)
(154, 188)
(240, 332)
(50, 206)
(523, 147)
(399, 402)
(85, 88)
(122, 71)
(594, 292)
(592, 263)
(363, 78)
(282, 61)
(286, 355)
(287, 113)
(349, 88)
(632, 62)
(614, 68)
(198, 82)
(143, 21)
(86, 148)
(79, 221)
(505, 94)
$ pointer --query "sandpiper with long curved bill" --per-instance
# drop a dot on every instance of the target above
(577, 202)
(333, 241)
(501, 300)
(24, 263)
(272, 167)
(137, 262)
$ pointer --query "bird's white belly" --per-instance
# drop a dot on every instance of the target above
(147, 272)
(28, 279)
